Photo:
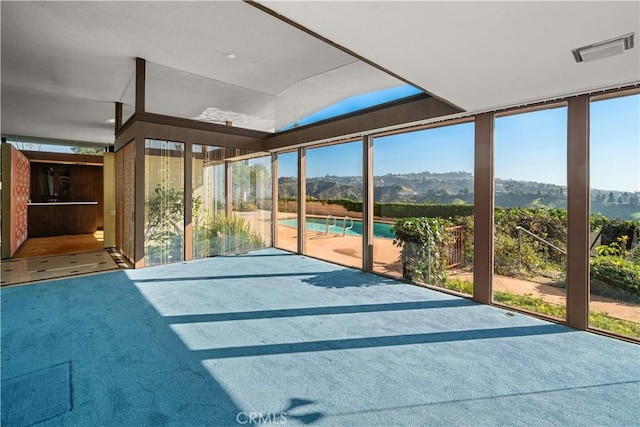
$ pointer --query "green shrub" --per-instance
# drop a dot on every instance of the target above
(634, 255)
(225, 234)
(242, 206)
(617, 272)
(424, 248)
(401, 210)
(535, 256)
(549, 224)
(165, 215)
(164, 226)
(614, 230)
(459, 285)
(506, 257)
(467, 236)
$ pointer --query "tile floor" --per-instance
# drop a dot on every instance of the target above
(15, 271)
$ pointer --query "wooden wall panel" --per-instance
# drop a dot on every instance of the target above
(109, 200)
(420, 107)
(48, 157)
(119, 200)
(59, 220)
(82, 184)
(125, 200)
(98, 193)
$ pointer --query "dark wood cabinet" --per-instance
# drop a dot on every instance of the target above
(61, 218)
(61, 182)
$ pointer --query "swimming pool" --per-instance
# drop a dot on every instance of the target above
(380, 229)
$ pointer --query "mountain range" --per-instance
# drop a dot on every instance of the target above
(457, 187)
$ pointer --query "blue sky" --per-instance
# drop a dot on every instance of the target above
(530, 147)
(615, 144)
(357, 102)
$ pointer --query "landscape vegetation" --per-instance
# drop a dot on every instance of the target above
(426, 205)
(423, 207)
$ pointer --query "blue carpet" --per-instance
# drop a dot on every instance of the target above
(36, 396)
(276, 338)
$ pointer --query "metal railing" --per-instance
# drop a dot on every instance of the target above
(329, 226)
(455, 249)
(538, 238)
(344, 225)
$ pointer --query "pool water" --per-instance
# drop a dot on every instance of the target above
(380, 229)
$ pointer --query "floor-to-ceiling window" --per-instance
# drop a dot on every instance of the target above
(423, 188)
(530, 211)
(287, 201)
(208, 200)
(334, 203)
(615, 215)
(250, 222)
(164, 202)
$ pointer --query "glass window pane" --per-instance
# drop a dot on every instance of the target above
(424, 180)
(615, 215)
(250, 223)
(530, 214)
(208, 198)
(334, 203)
(288, 201)
(164, 202)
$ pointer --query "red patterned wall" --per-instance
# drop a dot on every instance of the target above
(20, 176)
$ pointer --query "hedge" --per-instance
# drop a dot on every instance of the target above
(402, 210)
(424, 248)
(617, 272)
(613, 229)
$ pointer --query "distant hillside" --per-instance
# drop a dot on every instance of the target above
(393, 193)
(457, 187)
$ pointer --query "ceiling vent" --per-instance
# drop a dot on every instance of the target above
(603, 49)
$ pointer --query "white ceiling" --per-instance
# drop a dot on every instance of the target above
(481, 55)
(64, 64)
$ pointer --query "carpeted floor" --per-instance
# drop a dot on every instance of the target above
(276, 338)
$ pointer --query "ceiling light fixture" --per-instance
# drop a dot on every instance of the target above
(603, 49)
(230, 55)
(110, 121)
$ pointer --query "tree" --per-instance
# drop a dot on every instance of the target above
(164, 225)
(88, 150)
